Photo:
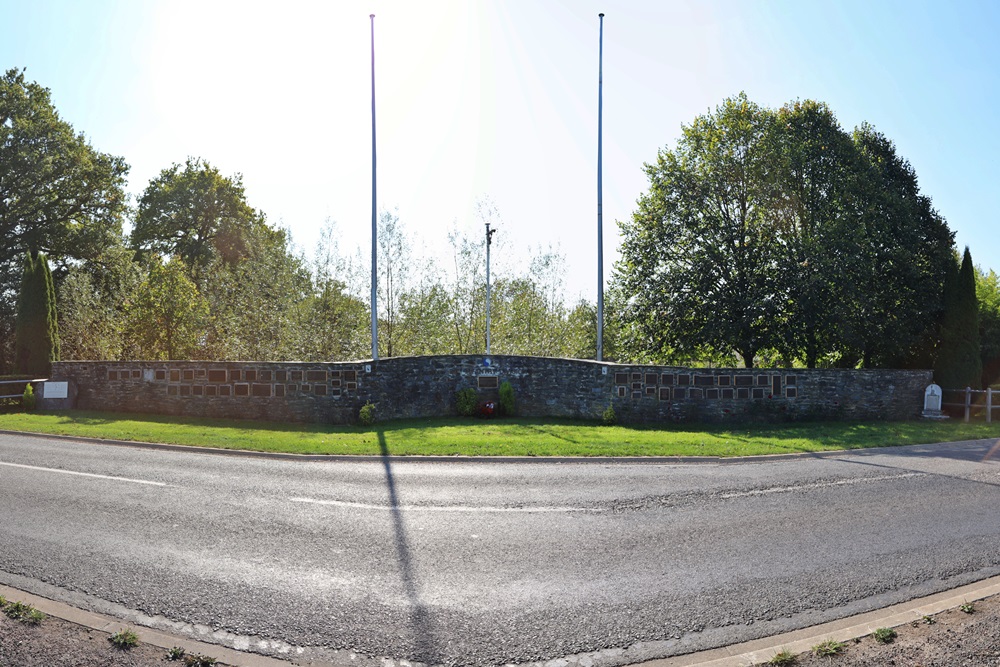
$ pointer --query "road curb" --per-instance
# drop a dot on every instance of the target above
(579, 460)
(158, 638)
(744, 654)
(759, 651)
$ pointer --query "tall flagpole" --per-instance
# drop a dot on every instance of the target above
(600, 234)
(374, 213)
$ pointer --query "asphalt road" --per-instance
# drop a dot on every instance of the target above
(490, 563)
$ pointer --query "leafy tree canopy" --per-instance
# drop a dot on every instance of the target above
(777, 235)
(57, 193)
(191, 210)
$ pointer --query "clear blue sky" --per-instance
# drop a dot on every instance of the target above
(500, 99)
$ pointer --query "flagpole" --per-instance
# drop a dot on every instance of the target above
(374, 213)
(600, 234)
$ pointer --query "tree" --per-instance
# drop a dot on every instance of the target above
(818, 187)
(425, 316)
(93, 299)
(334, 325)
(778, 236)
(255, 302)
(37, 330)
(57, 194)
(169, 317)
(906, 252)
(988, 296)
(699, 257)
(196, 213)
(958, 363)
(468, 294)
(393, 279)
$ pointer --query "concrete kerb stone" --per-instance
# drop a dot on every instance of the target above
(158, 638)
(759, 651)
(753, 652)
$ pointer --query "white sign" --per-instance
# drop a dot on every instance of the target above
(932, 398)
(55, 390)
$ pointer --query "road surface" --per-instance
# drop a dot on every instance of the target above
(486, 563)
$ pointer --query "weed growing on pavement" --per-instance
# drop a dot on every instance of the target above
(19, 611)
(198, 660)
(124, 639)
(884, 635)
(828, 648)
(176, 653)
(782, 658)
(968, 608)
(929, 620)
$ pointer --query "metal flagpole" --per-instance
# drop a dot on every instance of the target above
(374, 213)
(600, 234)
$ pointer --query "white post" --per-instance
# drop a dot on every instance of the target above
(968, 402)
(374, 213)
(600, 212)
(989, 404)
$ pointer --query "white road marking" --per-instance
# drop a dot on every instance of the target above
(438, 508)
(820, 485)
(82, 474)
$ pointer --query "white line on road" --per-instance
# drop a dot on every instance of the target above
(436, 508)
(820, 485)
(82, 474)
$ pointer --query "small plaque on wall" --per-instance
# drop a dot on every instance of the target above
(55, 390)
(488, 382)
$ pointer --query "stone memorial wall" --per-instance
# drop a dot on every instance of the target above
(425, 387)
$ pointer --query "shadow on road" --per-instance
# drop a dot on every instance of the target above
(420, 623)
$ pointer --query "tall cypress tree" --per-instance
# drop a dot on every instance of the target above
(36, 329)
(958, 363)
(25, 319)
(52, 315)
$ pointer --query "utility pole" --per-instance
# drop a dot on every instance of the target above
(374, 213)
(489, 240)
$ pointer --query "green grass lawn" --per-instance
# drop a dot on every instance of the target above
(501, 437)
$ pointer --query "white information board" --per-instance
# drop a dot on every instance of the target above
(55, 389)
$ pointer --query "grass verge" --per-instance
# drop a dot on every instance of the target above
(503, 437)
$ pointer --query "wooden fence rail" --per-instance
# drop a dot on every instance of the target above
(966, 395)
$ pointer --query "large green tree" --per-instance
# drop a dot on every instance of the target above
(779, 235)
(904, 254)
(191, 210)
(58, 194)
(700, 256)
(819, 174)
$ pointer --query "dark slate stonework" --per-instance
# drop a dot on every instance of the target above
(544, 387)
